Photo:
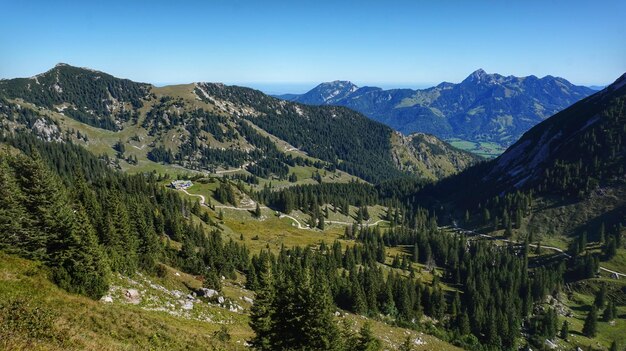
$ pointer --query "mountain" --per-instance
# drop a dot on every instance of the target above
(572, 165)
(243, 259)
(483, 108)
(325, 94)
(89, 96)
(206, 126)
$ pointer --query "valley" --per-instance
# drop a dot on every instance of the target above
(310, 227)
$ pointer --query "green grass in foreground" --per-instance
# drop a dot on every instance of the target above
(37, 315)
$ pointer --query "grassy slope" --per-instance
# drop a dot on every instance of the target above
(580, 300)
(56, 320)
(80, 323)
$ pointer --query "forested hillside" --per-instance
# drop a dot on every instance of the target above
(333, 263)
(92, 97)
(208, 127)
(62, 206)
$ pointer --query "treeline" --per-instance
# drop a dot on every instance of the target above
(309, 198)
(66, 208)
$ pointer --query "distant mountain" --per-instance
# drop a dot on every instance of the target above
(596, 87)
(482, 108)
(205, 126)
(327, 93)
(573, 166)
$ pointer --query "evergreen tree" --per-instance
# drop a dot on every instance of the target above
(610, 312)
(14, 222)
(564, 333)
(257, 211)
(319, 330)
(600, 298)
(590, 326)
(262, 310)
(80, 266)
(320, 223)
(367, 340)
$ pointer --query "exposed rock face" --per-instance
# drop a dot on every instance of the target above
(132, 296)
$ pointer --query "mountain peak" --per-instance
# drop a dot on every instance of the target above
(479, 73)
(477, 76)
(339, 83)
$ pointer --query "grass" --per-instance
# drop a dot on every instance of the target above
(81, 323)
(580, 301)
(481, 148)
(52, 319)
(617, 263)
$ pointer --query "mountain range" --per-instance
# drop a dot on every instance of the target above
(475, 254)
(207, 126)
(490, 111)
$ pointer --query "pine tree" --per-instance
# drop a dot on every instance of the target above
(564, 333)
(464, 324)
(367, 340)
(320, 224)
(590, 326)
(14, 222)
(80, 266)
(261, 313)
(610, 312)
(319, 330)
(47, 204)
(600, 298)
(257, 211)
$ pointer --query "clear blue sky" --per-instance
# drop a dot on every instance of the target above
(265, 43)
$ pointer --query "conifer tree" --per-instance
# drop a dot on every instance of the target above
(14, 222)
(367, 340)
(320, 223)
(610, 312)
(564, 333)
(80, 266)
(600, 298)
(261, 313)
(590, 326)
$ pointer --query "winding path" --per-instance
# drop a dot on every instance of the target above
(300, 226)
(202, 199)
(282, 215)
